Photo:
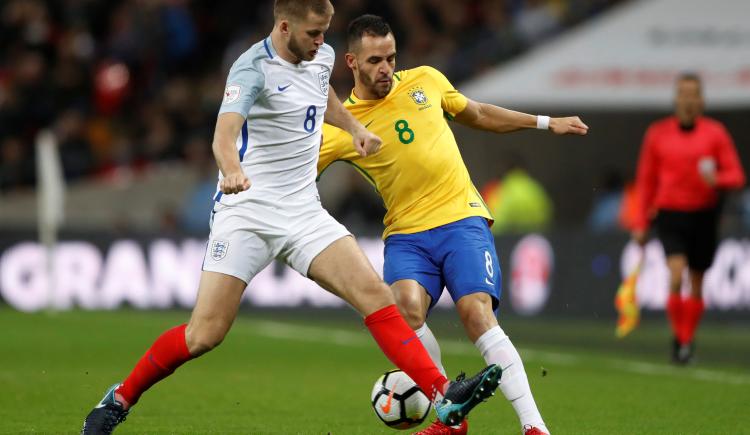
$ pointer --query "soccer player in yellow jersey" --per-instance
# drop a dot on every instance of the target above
(437, 226)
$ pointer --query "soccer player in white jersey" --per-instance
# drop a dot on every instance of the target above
(266, 145)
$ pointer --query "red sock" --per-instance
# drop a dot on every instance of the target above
(401, 345)
(693, 311)
(676, 314)
(168, 352)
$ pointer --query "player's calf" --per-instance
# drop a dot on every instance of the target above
(413, 302)
(202, 337)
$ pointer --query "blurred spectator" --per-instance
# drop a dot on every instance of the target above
(606, 209)
(537, 19)
(169, 221)
(745, 210)
(518, 203)
(16, 170)
(197, 206)
(360, 209)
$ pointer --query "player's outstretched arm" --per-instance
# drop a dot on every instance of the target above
(489, 117)
(228, 127)
(365, 142)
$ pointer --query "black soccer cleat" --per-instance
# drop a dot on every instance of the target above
(685, 353)
(682, 354)
(107, 414)
(464, 394)
(675, 350)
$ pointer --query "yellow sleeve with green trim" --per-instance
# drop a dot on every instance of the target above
(452, 101)
(336, 144)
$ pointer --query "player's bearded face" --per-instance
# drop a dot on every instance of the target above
(378, 82)
(376, 62)
(306, 36)
(298, 51)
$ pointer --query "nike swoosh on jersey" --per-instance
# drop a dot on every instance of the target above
(284, 88)
(368, 124)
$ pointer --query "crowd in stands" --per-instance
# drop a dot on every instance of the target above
(128, 84)
(125, 84)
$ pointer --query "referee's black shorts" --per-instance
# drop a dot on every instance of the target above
(691, 233)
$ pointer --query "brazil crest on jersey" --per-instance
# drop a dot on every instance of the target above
(418, 171)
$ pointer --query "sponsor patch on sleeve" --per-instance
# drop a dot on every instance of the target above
(232, 94)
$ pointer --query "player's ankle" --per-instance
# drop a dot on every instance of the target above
(122, 401)
(439, 388)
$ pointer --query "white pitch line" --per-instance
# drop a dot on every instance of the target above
(344, 337)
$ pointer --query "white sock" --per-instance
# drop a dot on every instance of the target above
(430, 343)
(496, 348)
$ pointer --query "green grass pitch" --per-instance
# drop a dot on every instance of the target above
(282, 372)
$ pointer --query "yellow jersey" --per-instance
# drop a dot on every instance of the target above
(418, 170)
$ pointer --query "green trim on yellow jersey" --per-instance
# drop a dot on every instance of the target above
(486, 207)
(320, 173)
(358, 168)
(364, 173)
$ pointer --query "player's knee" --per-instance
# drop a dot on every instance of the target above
(676, 265)
(410, 306)
(414, 318)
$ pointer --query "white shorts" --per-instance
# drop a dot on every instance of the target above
(246, 237)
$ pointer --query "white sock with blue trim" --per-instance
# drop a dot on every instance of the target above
(496, 348)
(430, 343)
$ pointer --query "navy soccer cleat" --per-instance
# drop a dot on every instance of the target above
(107, 414)
(464, 394)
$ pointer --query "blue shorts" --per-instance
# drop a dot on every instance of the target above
(459, 256)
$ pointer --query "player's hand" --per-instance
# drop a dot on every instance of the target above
(568, 125)
(640, 237)
(707, 169)
(366, 142)
(234, 183)
(710, 179)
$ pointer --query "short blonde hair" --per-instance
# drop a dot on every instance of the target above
(299, 9)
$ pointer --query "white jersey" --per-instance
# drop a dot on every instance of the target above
(283, 105)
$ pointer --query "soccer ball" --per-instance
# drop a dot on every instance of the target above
(398, 401)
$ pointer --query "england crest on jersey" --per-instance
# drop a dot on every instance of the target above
(324, 76)
(219, 249)
(417, 94)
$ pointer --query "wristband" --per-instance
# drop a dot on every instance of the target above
(542, 122)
